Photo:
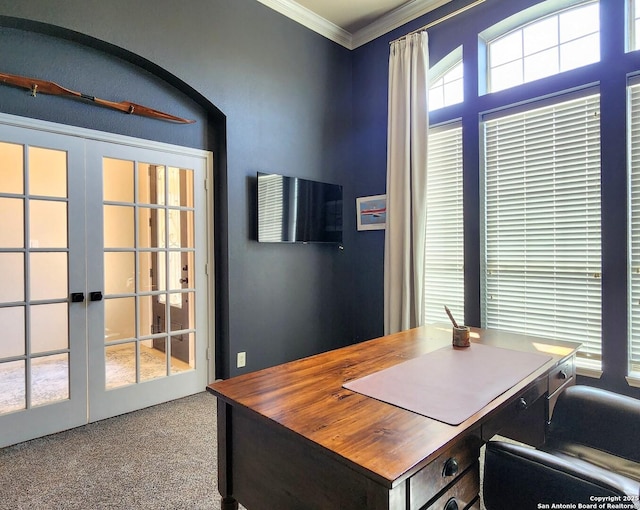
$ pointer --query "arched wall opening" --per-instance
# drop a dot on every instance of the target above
(97, 68)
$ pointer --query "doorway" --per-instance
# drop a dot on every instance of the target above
(104, 292)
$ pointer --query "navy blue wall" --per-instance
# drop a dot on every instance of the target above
(369, 118)
(292, 102)
(284, 99)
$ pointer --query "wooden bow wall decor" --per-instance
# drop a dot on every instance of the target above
(49, 87)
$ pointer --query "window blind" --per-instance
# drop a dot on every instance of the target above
(444, 251)
(542, 243)
(634, 230)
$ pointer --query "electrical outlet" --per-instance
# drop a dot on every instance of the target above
(242, 359)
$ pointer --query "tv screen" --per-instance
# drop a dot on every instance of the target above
(294, 210)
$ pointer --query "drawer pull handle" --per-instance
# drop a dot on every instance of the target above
(451, 504)
(522, 404)
(562, 375)
(450, 467)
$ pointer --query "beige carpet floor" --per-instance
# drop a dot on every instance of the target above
(162, 457)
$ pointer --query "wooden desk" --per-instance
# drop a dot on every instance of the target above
(291, 437)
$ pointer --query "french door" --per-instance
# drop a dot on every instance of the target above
(103, 286)
(43, 344)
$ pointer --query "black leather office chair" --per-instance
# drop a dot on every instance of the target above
(591, 457)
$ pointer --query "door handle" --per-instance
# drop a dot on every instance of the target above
(184, 280)
(77, 297)
(95, 296)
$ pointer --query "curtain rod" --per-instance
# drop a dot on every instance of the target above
(440, 20)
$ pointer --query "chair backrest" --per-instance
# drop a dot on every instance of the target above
(519, 477)
(599, 419)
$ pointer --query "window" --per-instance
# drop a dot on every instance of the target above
(444, 253)
(634, 230)
(559, 42)
(446, 81)
(542, 248)
(448, 88)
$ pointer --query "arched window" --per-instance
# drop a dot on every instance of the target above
(543, 46)
(446, 81)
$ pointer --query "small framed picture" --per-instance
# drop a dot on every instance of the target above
(371, 212)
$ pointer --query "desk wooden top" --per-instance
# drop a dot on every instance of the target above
(386, 442)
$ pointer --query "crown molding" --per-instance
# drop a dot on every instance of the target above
(390, 21)
(394, 19)
(311, 20)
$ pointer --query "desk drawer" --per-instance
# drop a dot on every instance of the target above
(445, 470)
(523, 419)
(475, 505)
(561, 374)
(462, 495)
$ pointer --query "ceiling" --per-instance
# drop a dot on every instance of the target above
(353, 23)
(354, 14)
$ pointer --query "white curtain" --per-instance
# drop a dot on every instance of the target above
(406, 183)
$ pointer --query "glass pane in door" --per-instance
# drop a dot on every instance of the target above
(47, 224)
(11, 235)
(11, 168)
(119, 319)
(120, 365)
(49, 275)
(118, 180)
(13, 331)
(49, 379)
(49, 327)
(118, 226)
(151, 184)
(119, 272)
(153, 359)
(47, 172)
(11, 277)
(13, 378)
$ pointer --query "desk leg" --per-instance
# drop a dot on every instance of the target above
(225, 483)
(229, 503)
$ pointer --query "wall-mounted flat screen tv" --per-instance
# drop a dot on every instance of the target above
(295, 210)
